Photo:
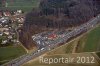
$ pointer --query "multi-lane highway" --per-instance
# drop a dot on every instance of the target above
(46, 44)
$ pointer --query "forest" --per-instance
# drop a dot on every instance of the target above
(57, 14)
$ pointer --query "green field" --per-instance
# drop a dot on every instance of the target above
(93, 40)
(25, 5)
(90, 42)
(9, 53)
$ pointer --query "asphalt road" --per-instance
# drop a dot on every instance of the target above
(48, 45)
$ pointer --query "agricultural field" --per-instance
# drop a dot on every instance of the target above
(93, 41)
(90, 42)
(10, 52)
(25, 5)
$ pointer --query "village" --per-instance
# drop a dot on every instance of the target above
(10, 23)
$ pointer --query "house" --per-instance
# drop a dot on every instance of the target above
(6, 13)
(4, 41)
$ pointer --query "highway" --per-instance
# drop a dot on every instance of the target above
(46, 44)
